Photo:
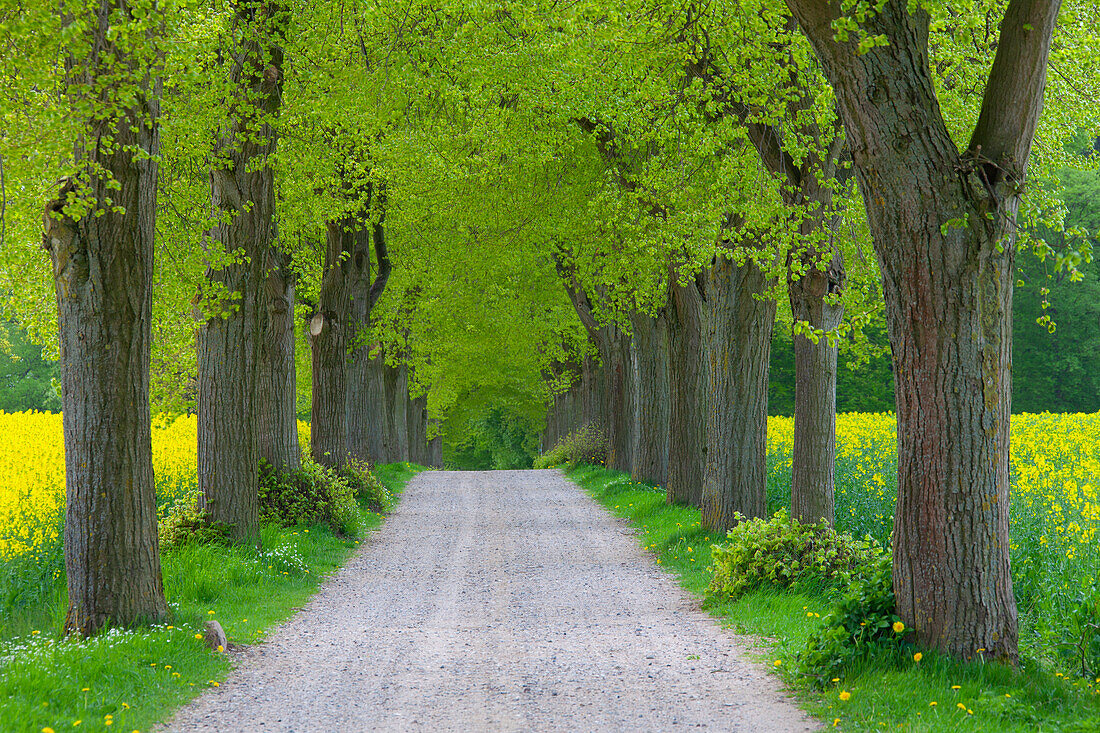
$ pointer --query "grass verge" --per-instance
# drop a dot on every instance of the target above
(128, 679)
(936, 694)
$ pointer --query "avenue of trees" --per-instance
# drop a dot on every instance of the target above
(425, 217)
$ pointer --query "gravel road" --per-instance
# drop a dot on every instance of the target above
(497, 601)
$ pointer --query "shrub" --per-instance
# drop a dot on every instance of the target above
(187, 524)
(860, 626)
(786, 553)
(366, 486)
(588, 445)
(312, 494)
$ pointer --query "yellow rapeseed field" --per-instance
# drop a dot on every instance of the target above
(1055, 468)
(1055, 510)
(1055, 464)
(32, 464)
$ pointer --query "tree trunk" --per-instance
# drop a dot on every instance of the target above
(364, 390)
(277, 425)
(944, 232)
(593, 396)
(364, 433)
(813, 455)
(687, 433)
(620, 400)
(242, 188)
(739, 333)
(103, 277)
(650, 358)
(367, 411)
(329, 335)
(435, 451)
(418, 429)
(395, 437)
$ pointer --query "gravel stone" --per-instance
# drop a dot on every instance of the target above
(497, 601)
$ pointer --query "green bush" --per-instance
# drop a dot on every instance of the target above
(785, 553)
(588, 446)
(860, 626)
(312, 494)
(365, 485)
(187, 524)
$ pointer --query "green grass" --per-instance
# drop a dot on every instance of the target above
(396, 475)
(139, 676)
(883, 695)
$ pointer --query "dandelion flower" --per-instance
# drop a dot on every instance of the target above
(778, 662)
(898, 627)
(960, 706)
(845, 695)
(956, 687)
(198, 636)
(47, 730)
(933, 704)
(917, 657)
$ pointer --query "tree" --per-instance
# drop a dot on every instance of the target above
(364, 393)
(243, 190)
(277, 421)
(739, 323)
(943, 223)
(341, 413)
(689, 392)
(99, 234)
(329, 332)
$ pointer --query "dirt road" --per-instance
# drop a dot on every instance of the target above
(497, 601)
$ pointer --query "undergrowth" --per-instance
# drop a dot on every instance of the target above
(886, 684)
(128, 679)
(586, 445)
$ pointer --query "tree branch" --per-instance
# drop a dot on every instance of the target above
(1013, 96)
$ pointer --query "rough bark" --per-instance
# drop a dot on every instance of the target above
(103, 277)
(593, 392)
(687, 449)
(277, 423)
(417, 414)
(241, 187)
(367, 414)
(650, 360)
(739, 331)
(330, 331)
(364, 391)
(619, 407)
(813, 454)
(944, 226)
(395, 436)
(435, 447)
